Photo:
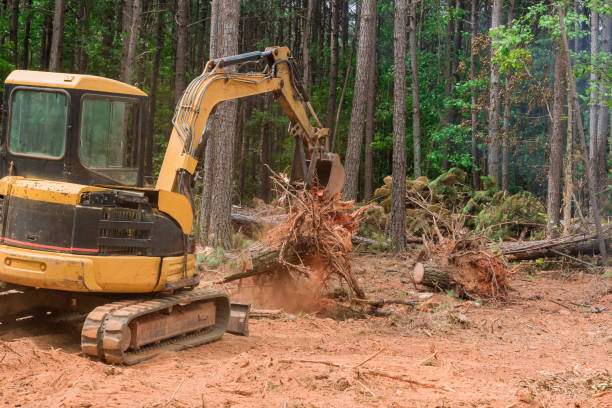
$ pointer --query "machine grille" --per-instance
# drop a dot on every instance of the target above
(124, 231)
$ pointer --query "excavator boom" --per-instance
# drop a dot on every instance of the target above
(311, 163)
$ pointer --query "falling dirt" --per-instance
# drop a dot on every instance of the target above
(525, 351)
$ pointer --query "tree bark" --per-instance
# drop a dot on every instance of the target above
(55, 59)
(220, 217)
(333, 70)
(131, 26)
(506, 122)
(570, 245)
(398, 189)
(209, 152)
(159, 44)
(593, 95)
(13, 30)
(588, 163)
(603, 111)
(181, 50)
(416, 111)
(84, 23)
(568, 189)
(26, 36)
(555, 160)
(360, 94)
(45, 49)
(493, 159)
(306, 45)
(369, 127)
(474, 96)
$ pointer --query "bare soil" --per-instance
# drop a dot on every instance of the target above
(525, 351)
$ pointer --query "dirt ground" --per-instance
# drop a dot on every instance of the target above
(526, 351)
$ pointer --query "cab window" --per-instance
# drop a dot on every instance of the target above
(38, 123)
(109, 138)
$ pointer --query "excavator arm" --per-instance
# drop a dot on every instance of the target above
(311, 163)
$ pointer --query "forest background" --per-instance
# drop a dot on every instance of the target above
(478, 85)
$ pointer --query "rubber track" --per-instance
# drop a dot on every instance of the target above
(101, 336)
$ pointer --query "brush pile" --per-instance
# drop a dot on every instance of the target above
(497, 214)
(313, 241)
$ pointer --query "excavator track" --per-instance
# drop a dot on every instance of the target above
(131, 331)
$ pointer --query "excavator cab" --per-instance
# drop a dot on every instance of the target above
(72, 128)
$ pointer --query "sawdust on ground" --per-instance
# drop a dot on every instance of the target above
(526, 351)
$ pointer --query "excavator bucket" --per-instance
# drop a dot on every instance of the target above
(326, 171)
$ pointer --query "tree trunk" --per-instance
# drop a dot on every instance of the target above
(244, 150)
(306, 45)
(333, 71)
(506, 123)
(220, 217)
(369, 128)
(568, 190)
(555, 159)
(84, 24)
(398, 189)
(159, 44)
(342, 94)
(264, 159)
(45, 49)
(570, 245)
(416, 111)
(13, 30)
(593, 95)
(209, 151)
(181, 49)
(588, 163)
(493, 161)
(55, 59)
(26, 36)
(474, 96)
(602, 123)
(360, 94)
(130, 31)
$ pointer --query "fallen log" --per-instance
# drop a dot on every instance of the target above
(472, 275)
(572, 245)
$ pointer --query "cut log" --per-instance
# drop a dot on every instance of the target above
(571, 245)
(471, 275)
(435, 276)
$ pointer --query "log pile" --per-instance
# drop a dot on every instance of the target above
(314, 237)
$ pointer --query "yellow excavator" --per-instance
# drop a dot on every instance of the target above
(80, 230)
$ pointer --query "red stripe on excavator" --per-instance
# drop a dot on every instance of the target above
(50, 246)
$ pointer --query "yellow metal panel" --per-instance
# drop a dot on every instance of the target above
(80, 273)
(71, 81)
(6, 184)
(172, 270)
(45, 190)
(126, 273)
(178, 207)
